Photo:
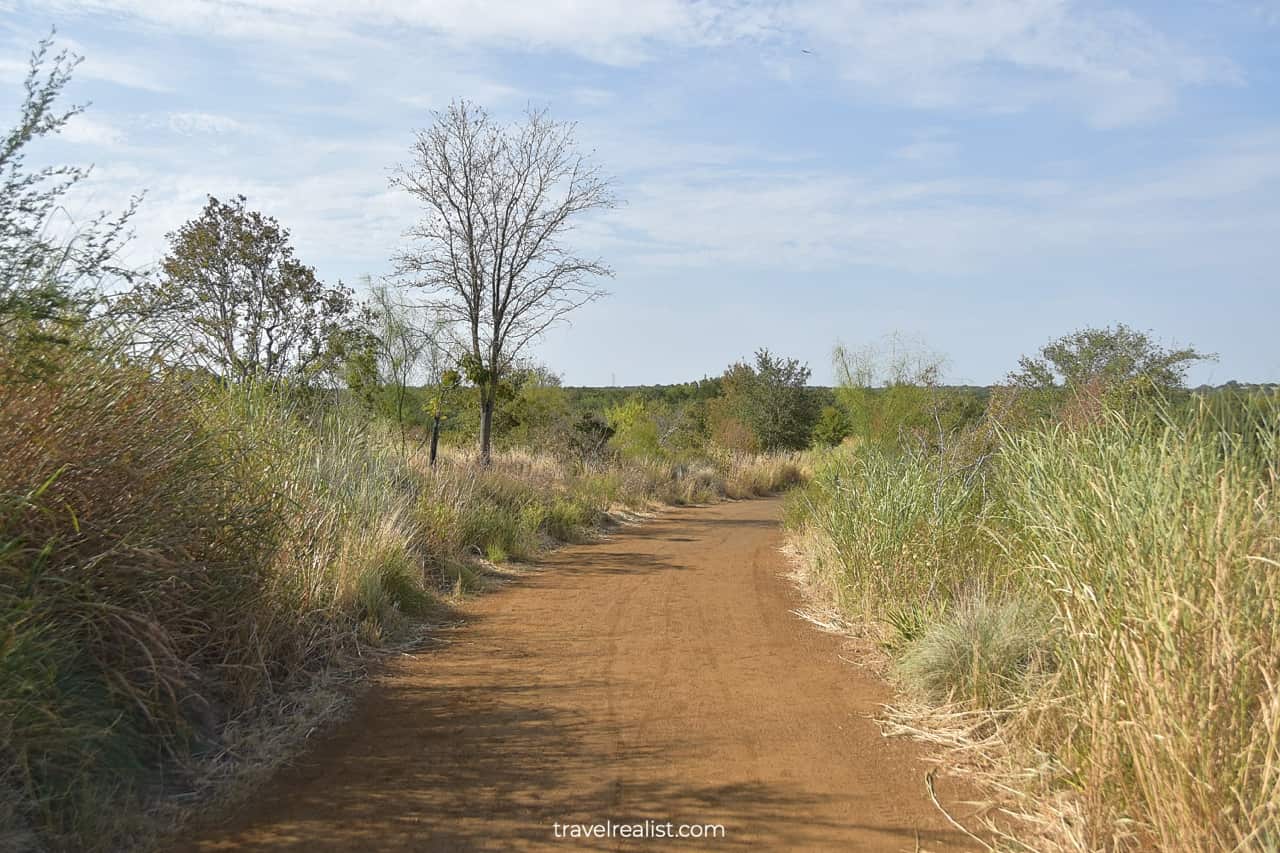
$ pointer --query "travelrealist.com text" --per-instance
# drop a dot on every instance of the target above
(638, 830)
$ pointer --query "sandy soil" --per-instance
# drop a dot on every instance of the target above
(659, 675)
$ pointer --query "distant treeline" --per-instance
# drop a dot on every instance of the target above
(537, 410)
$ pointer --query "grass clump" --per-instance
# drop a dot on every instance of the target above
(131, 567)
(980, 654)
(1158, 541)
(894, 527)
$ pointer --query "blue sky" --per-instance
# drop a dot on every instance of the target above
(980, 174)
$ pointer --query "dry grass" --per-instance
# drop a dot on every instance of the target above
(1141, 553)
(185, 570)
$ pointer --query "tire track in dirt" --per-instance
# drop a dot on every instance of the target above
(656, 675)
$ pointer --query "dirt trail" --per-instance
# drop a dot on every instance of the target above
(658, 675)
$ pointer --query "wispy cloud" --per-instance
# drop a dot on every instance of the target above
(197, 124)
(1110, 65)
(86, 130)
(112, 68)
(811, 222)
(1008, 55)
(613, 31)
(929, 147)
(967, 144)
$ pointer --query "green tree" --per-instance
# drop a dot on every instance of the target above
(232, 299)
(1108, 357)
(406, 342)
(890, 388)
(437, 406)
(48, 265)
(355, 350)
(833, 426)
(770, 398)
(538, 414)
(634, 429)
(590, 437)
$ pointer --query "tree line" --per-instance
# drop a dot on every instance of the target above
(442, 344)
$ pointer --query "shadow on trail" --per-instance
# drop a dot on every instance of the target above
(477, 768)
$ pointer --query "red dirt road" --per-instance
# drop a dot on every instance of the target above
(657, 675)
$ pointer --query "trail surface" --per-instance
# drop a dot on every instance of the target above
(657, 675)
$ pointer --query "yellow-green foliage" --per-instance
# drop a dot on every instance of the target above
(1132, 565)
(893, 527)
(635, 431)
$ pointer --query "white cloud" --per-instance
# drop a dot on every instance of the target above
(197, 123)
(1266, 11)
(591, 96)
(85, 130)
(448, 85)
(1007, 55)
(101, 65)
(928, 147)
(614, 31)
(698, 203)
(12, 71)
(808, 221)
(995, 55)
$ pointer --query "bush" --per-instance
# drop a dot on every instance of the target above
(979, 654)
(833, 427)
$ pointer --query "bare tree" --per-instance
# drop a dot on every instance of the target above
(402, 341)
(498, 202)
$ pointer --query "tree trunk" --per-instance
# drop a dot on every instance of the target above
(435, 439)
(486, 426)
(400, 394)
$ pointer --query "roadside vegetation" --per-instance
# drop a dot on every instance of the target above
(224, 484)
(1075, 579)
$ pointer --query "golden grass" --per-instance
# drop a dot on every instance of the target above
(1146, 548)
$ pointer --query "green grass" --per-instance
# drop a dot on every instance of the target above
(897, 527)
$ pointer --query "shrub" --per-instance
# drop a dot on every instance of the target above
(980, 653)
(833, 427)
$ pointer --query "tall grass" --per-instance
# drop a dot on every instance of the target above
(1158, 546)
(1129, 635)
(130, 570)
(893, 526)
(178, 559)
